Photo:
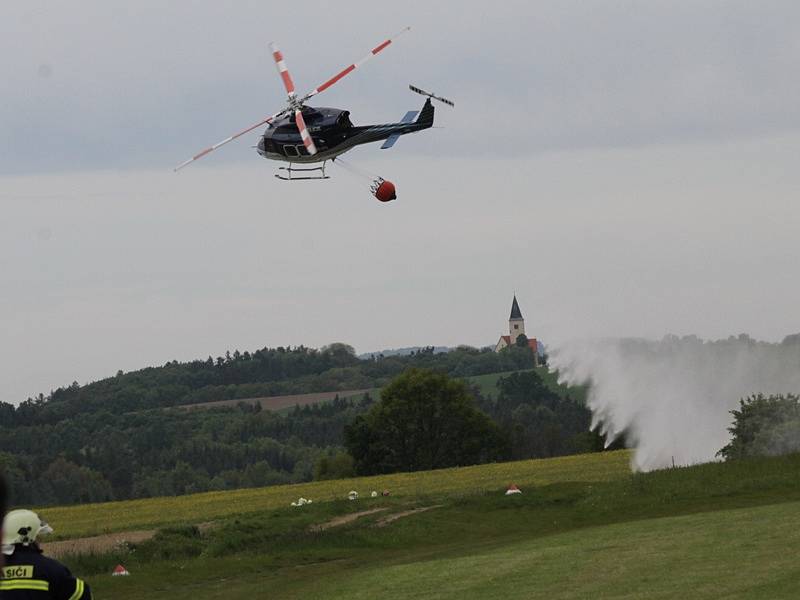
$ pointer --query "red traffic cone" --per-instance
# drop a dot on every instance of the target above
(120, 570)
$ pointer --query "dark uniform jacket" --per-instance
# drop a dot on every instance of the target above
(28, 575)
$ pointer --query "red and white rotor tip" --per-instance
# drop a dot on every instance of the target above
(359, 63)
(283, 70)
(306, 137)
(202, 153)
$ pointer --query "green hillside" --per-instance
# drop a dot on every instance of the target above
(124, 437)
(583, 527)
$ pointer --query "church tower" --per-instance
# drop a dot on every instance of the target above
(516, 328)
(516, 324)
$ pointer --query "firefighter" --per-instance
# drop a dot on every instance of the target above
(3, 500)
(28, 574)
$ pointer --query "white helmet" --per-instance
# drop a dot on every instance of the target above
(22, 527)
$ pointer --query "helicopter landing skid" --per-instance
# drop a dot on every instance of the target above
(291, 170)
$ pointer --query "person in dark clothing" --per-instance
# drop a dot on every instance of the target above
(28, 574)
(3, 509)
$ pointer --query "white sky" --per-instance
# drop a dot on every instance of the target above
(629, 168)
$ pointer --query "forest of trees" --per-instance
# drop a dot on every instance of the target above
(105, 455)
(265, 372)
(121, 437)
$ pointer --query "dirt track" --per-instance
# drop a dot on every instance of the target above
(345, 519)
(104, 543)
(96, 544)
(279, 402)
(406, 513)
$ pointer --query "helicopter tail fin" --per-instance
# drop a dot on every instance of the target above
(425, 117)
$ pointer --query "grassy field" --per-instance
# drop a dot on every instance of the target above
(738, 553)
(487, 384)
(84, 520)
(584, 527)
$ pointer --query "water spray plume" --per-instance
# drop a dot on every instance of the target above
(672, 398)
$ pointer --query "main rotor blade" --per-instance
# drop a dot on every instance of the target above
(301, 125)
(225, 141)
(354, 66)
(283, 70)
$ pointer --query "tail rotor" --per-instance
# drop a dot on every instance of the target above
(430, 95)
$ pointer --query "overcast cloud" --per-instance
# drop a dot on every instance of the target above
(630, 168)
(120, 84)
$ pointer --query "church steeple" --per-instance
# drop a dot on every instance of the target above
(516, 313)
(516, 324)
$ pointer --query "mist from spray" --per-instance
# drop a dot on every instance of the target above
(673, 397)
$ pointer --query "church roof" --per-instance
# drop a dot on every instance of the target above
(532, 343)
(515, 311)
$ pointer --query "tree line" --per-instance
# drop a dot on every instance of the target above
(237, 375)
(123, 437)
(108, 456)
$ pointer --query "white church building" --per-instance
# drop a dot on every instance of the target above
(516, 328)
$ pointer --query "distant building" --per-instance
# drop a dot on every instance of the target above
(516, 328)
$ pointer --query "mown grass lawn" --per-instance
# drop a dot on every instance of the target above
(744, 553)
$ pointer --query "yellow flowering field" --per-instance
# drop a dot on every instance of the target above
(94, 519)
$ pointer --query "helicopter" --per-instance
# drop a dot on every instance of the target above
(304, 135)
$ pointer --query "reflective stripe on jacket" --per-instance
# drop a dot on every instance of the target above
(29, 575)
